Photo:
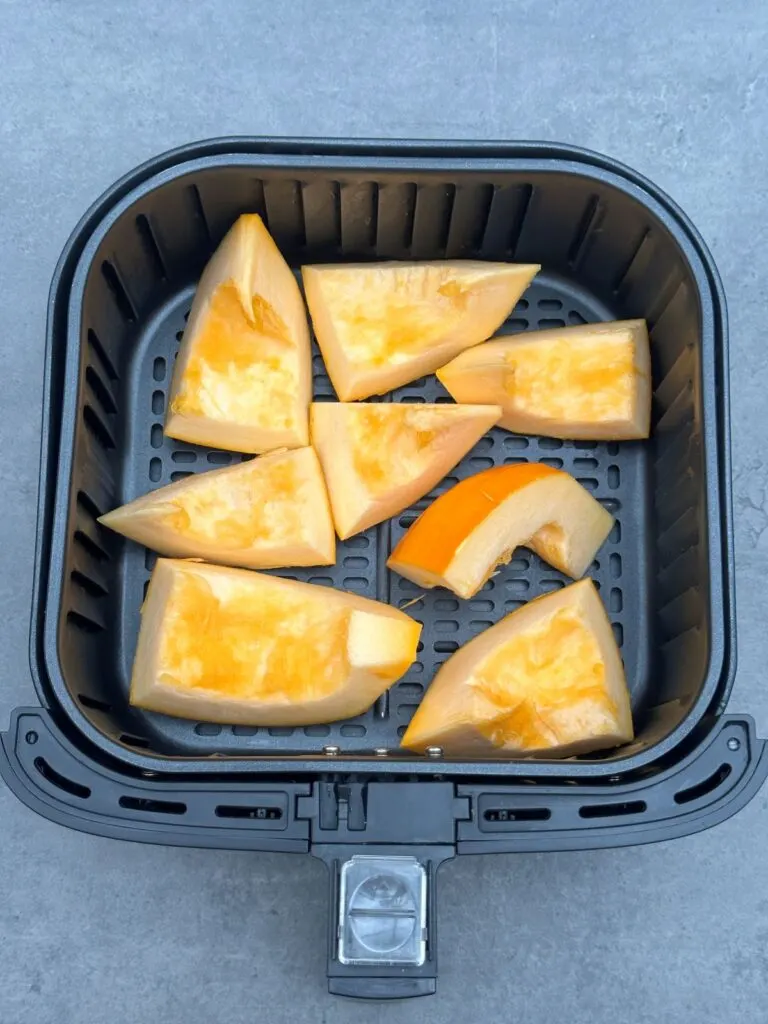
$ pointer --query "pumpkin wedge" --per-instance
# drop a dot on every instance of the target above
(242, 379)
(381, 325)
(591, 382)
(266, 513)
(378, 458)
(238, 647)
(475, 526)
(546, 681)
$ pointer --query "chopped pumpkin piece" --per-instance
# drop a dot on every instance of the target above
(546, 681)
(378, 458)
(242, 379)
(381, 325)
(475, 526)
(239, 647)
(266, 513)
(587, 382)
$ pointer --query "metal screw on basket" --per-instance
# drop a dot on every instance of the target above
(733, 743)
(380, 751)
(434, 751)
(331, 751)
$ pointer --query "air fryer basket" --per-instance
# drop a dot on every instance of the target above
(611, 246)
(606, 253)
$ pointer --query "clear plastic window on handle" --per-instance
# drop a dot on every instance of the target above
(383, 911)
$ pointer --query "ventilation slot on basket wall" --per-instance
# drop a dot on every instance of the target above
(135, 741)
(84, 623)
(101, 391)
(118, 291)
(590, 221)
(91, 587)
(151, 248)
(98, 428)
(101, 355)
(94, 704)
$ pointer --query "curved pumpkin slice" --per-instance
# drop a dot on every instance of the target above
(460, 539)
(266, 513)
(380, 325)
(239, 647)
(589, 382)
(546, 681)
(242, 379)
(380, 458)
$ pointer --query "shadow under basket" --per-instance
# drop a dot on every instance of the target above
(611, 247)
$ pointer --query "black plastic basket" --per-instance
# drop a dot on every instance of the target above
(611, 246)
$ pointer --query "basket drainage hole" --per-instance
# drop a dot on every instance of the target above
(137, 803)
(158, 369)
(207, 729)
(352, 730)
(445, 646)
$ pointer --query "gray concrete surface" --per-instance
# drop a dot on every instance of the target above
(94, 931)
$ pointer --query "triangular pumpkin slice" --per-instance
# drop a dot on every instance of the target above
(546, 681)
(239, 647)
(378, 458)
(584, 383)
(269, 512)
(242, 379)
(381, 325)
(477, 525)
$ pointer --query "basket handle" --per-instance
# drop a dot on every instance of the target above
(382, 931)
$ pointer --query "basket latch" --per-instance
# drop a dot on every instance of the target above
(383, 843)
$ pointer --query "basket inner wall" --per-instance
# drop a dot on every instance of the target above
(603, 258)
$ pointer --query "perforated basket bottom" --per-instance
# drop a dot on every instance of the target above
(615, 473)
